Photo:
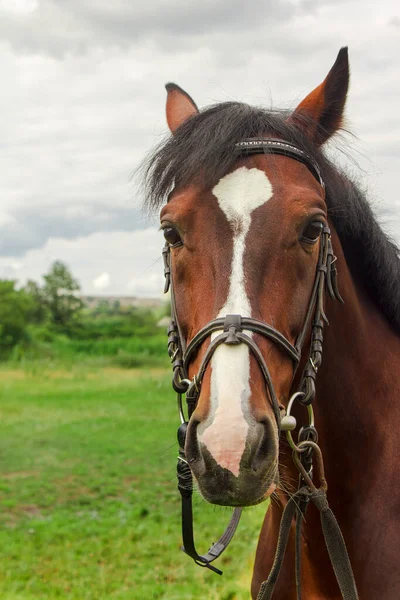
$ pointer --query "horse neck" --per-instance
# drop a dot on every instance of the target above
(356, 406)
(357, 415)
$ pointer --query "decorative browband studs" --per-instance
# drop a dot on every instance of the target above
(276, 146)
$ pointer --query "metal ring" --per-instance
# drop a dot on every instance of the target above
(189, 384)
(193, 384)
(180, 408)
(307, 444)
(310, 412)
(177, 382)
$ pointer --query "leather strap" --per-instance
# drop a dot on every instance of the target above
(267, 587)
(333, 539)
(247, 323)
(205, 560)
(185, 486)
(282, 148)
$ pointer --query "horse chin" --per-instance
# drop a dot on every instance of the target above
(224, 489)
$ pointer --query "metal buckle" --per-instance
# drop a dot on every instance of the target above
(179, 398)
(310, 412)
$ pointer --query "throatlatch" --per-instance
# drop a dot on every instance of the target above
(233, 329)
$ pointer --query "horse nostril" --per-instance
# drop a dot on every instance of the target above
(267, 448)
(192, 448)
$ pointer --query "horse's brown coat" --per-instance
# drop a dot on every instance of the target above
(357, 405)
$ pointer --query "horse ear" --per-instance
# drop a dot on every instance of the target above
(320, 114)
(180, 106)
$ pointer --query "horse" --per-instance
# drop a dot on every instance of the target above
(257, 223)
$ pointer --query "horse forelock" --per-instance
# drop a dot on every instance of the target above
(203, 150)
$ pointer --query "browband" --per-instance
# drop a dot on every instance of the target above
(274, 146)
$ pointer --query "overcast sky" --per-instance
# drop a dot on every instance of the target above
(82, 99)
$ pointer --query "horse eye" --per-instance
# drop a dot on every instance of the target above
(312, 232)
(171, 236)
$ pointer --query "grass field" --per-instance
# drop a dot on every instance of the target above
(88, 501)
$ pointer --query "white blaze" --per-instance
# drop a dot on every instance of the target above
(224, 432)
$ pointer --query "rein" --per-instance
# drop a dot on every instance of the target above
(233, 330)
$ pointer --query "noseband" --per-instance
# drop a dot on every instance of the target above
(234, 330)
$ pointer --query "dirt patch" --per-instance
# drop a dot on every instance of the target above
(12, 374)
(30, 510)
(19, 474)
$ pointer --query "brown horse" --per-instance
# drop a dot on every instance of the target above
(245, 233)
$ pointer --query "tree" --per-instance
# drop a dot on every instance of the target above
(14, 315)
(38, 312)
(60, 295)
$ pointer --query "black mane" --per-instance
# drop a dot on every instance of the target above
(204, 146)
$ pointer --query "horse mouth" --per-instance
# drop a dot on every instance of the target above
(221, 487)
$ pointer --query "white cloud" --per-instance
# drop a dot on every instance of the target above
(19, 6)
(102, 282)
(10, 264)
(82, 100)
(124, 257)
(148, 284)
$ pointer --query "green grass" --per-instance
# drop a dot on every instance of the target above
(88, 501)
(126, 352)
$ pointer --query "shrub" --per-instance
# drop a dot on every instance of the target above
(14, 308)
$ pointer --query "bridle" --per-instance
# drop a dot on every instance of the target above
(233, 330)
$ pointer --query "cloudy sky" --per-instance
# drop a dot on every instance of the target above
(82, 100)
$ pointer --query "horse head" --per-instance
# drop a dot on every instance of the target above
(244, 229)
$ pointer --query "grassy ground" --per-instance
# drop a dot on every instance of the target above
(88, 500)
